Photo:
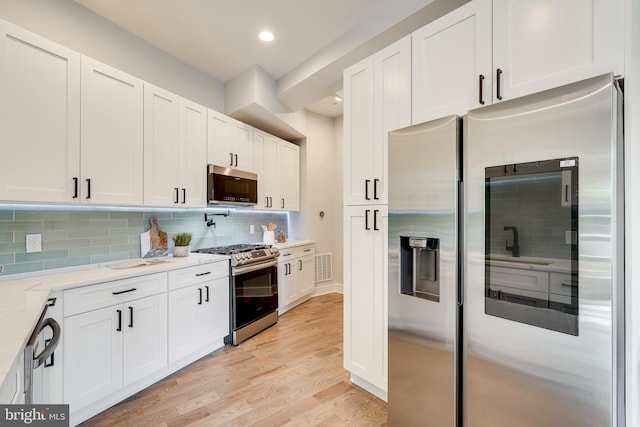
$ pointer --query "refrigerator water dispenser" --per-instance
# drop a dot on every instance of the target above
(419, 267)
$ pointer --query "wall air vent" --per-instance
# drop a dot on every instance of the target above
(323, 267)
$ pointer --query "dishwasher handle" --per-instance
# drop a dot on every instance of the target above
(40, 358)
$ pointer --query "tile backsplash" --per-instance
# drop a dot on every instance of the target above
(74, 237)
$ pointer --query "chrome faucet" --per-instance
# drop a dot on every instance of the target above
(515, 248)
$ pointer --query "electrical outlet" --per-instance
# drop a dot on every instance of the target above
(251, 229)
(34, 243)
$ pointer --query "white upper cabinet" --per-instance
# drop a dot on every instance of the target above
(39, 118)
(111, 135)
(541, 44)
(193, 154)
(266, 164)
(175, 132)
(289, 176)
(229, 142)
(161, 148)
(451, 66)
(277, 163)
(486, 52)
(377, 94)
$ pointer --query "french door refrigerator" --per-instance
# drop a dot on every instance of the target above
(506, 264)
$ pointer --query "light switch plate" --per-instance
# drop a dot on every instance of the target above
(34, 243)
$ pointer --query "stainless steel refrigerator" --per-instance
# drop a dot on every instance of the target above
(506, 264)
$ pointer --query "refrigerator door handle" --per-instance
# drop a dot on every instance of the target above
(460, 243)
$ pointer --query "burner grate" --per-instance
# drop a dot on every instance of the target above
(233, 249)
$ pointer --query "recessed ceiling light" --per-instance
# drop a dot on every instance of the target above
(266, 36)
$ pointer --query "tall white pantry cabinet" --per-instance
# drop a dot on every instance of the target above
(377, 99)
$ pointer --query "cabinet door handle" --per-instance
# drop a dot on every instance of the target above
(206, 298)
(184, 196)
(75, 187)
(176, 190)
(88, 188)
(375, 219)
(366, 189)
(230, 159)
(119, 329)
(203, 274)
(130, 317)
(282, 203)
(300, 265)
(199, 296)
(236, 157)
(124, 292)
(307, 250)
(366, 219)
(480, 87)
(498, 78)
(375, 189)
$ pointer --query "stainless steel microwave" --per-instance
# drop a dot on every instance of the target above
(226, 186)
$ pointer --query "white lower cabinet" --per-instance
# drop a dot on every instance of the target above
(198, 309)
(296, 271)
(122, 336)
(93, 359)
(12, 389)
(114, 335)
(365, 296)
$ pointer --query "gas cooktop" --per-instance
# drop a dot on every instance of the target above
(233, 249)
(245, 253)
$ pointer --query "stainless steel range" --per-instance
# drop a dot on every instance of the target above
(253, 288)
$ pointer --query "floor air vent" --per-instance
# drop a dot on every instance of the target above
(323, 267)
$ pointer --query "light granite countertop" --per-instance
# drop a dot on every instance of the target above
(22, 297)
(293, 244)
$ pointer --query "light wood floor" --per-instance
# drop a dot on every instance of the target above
(289, 375)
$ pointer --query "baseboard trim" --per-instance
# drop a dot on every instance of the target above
(366, 385)
(327, 288)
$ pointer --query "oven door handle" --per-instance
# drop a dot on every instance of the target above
(254, 267)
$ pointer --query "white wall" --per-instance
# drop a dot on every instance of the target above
(77, 28)
(321, 188)
(338, 256)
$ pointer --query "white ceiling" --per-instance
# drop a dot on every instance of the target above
(220, 37)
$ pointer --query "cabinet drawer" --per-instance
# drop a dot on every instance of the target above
(86, 298)
(295, 252)
(201, 273)
(528, 280)
(561, 284)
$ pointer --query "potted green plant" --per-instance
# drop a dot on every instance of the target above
(181, 243)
